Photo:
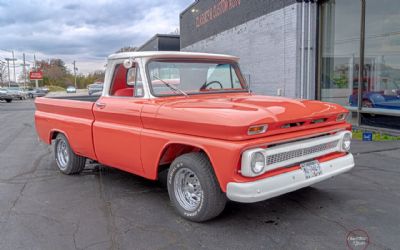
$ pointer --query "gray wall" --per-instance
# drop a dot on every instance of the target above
(268, 48)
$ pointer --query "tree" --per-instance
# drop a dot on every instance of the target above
(3, 74)
(56, 73)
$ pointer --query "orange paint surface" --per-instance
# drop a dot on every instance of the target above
(132, 134)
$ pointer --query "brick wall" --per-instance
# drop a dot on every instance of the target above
(268, 48)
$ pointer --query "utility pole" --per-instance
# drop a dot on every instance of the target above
(23, 55)
(24, 69)
(8, 66)
(34, 65)
(75, 73)
(1, 73)
(13, 59)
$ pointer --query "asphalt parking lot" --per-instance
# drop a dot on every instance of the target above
(104, 208)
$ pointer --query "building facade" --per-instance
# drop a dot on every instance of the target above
(308, 49)
(161, 42)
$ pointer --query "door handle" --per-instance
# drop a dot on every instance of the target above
(100, 105)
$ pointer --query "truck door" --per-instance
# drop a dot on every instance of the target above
(117, 125)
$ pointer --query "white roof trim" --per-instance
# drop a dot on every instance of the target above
(170, 54)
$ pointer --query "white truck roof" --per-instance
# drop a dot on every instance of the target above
(170, 54)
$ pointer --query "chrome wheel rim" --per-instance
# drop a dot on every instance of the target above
(62, 154)
(188, 191)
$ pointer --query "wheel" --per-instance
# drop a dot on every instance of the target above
(67, 161)
(8, 100)
(30, 96)
(194, 189)
(367, 104)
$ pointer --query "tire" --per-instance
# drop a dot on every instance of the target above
(367, 104)
(196, 171)
(67, 161)
(8, 100)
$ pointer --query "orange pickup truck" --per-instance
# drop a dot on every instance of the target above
(193, 115)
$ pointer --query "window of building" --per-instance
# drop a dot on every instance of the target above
(339, 67)
(339, 50)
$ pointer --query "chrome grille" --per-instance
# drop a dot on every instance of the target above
(302, 152)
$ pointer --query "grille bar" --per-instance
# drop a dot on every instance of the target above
(285, 156)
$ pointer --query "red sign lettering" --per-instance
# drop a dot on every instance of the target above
(38, 75)
(215, 11)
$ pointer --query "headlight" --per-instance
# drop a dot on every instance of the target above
(346, 142)
(257, 162)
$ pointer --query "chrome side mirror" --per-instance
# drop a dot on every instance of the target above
(128, 63)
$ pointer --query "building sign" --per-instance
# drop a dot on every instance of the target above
(218, 9)
(206, 18)
(38, 75)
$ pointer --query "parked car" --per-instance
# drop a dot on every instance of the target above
(192, 115)
(377, 100)
(17, 93)
(35, 92)
(71, 89)
(95, 88)
(5, 95)
(45, 89)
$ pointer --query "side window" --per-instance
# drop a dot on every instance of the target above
(126, 82)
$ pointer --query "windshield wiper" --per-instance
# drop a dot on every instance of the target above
(171, 86)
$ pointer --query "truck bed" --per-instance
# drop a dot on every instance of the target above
(70, 115)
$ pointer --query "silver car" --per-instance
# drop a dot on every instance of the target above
(32, 93)
(5, 95)
(71, 89)
(17, 93)
(94, 88)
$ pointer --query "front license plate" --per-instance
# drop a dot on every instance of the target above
(311, 169)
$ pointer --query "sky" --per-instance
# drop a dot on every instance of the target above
(85, 31)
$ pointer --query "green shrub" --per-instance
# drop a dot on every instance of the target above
(376, 136)
(53, 88)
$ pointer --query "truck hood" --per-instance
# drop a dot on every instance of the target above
(229, 116)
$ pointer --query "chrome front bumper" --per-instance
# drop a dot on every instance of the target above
(259, 190)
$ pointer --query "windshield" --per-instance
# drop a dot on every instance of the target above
(180, 78)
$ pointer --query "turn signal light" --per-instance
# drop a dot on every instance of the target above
(259, 129)
(341, 117)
